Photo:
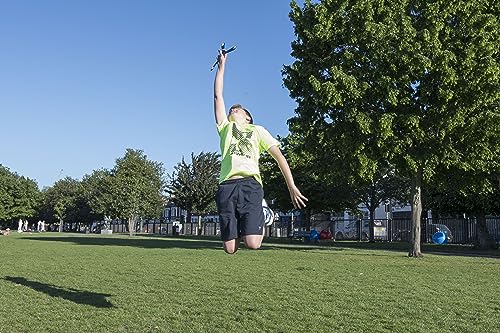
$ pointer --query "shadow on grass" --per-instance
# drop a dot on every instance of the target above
(97, 300)
(151, 241)
(212, 242)
(146, 242)
(403, 247)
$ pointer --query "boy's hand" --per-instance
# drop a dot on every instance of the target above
(298, 199)
(222, 57)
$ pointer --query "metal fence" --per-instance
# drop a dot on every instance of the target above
(168, 228)
(458, 230)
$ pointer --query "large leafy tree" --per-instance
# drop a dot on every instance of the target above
(98, 193)
(65, 202)
(19, 196)
(192, 186)
(137, 188)
(412, 83)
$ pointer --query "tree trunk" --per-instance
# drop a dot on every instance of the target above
(61, 225)
(416, 213)
(131, 225)
(484, 239)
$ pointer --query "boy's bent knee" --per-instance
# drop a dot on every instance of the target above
(230, 251)
(231, 246)
(253, 242)
(253, 246)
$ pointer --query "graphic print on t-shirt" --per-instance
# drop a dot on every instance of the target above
(240, 143)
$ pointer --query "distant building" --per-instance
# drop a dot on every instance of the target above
(172, 213)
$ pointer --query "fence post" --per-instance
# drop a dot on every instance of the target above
(424, 235)
(467, 226)
(389, 230)
(359, 225)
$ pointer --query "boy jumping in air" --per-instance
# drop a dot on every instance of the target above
(240, 193)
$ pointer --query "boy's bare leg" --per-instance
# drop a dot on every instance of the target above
(232, 245)
(254, 241)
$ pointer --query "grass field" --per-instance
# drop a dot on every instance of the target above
(89, 283)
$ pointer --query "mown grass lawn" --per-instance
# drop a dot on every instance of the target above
(89, 283)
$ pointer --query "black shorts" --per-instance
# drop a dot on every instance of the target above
(239, 202)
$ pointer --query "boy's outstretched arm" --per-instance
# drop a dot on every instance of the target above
(219, 107)
(298, 199)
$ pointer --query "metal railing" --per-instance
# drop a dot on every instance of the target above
(458, 230)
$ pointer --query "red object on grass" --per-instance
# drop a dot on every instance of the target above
(325, 234)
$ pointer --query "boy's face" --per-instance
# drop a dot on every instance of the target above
(238, 115)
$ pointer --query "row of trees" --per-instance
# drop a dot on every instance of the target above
(135, 188)
(19, 196)
(192, 186)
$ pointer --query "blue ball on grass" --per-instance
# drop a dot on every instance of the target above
(314, 235)
(439, 238)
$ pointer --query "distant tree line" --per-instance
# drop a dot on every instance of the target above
(135, 189)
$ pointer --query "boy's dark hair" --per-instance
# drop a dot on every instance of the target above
(239, 106)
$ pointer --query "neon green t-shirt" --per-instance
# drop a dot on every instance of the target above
(241, 146)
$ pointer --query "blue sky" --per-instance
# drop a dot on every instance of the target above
(81, 81)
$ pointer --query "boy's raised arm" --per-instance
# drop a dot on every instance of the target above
(219, 107)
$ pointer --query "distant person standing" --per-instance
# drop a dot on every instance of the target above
(20, 226)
